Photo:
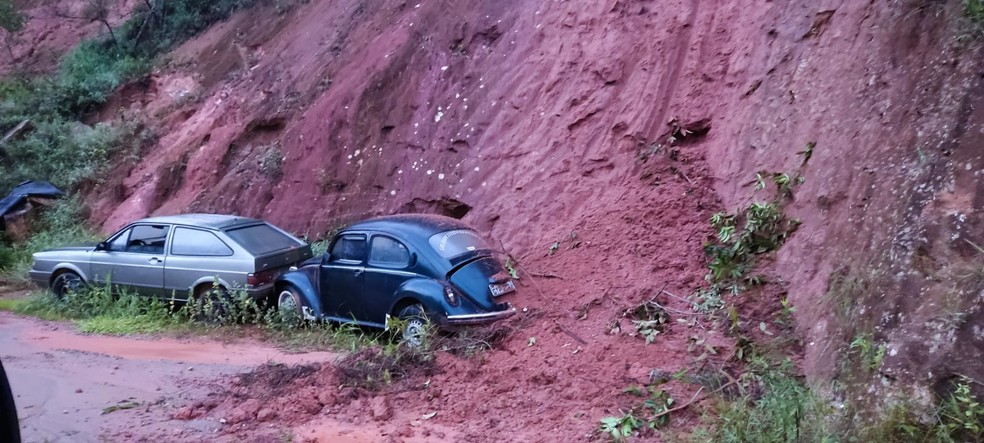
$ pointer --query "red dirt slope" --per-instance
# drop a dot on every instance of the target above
(531, 120)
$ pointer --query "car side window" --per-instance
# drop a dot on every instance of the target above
(389, 253)
(197, 242)
(119, 243)
(349, 248)
(148, 239)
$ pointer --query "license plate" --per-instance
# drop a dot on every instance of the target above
(502, 288)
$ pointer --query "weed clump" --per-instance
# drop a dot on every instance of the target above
(775, 406)
(757, 229)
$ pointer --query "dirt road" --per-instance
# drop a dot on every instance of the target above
(68, 386)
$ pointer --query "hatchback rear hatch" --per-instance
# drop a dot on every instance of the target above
(271, 247)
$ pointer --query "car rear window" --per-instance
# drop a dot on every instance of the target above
(262, 239)
(454, 243)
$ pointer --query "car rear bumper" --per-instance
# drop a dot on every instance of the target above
(260, 292)
(478, 319)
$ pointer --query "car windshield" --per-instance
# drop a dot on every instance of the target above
(451, 244)
(262, 239)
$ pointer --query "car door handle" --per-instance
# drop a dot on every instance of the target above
(359, 272)
(155, 261)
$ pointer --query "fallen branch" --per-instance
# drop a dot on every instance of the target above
(685, 176)
(693, 400)
(545, 275)
(571, 334)
(677, 311)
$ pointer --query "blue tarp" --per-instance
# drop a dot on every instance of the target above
(23, 191)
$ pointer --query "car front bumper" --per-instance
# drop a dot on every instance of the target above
(479, 319)
(39, 278)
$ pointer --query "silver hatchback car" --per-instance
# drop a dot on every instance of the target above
(177, 256)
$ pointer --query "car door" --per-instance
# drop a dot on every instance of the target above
(386, 270)
(133, 259)
(196, 253)
(342, 277)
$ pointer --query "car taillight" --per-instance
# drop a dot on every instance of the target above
(260, 278)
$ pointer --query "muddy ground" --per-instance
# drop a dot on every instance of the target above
(550, 374)
(71, 387)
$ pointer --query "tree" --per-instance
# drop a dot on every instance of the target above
(11, 21)
(98, 10)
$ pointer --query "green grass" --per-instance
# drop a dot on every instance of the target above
(98, 311)
(38, 305)
(774, 406)
(122, 325)
(321, 335)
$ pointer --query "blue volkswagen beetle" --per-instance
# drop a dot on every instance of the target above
(416, 267)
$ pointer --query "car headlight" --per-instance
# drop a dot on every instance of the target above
(451, 296)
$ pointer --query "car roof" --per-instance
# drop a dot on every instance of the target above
(410, 225)
(211, 221)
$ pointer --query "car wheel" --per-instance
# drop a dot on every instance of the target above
(212, 304)
(289, 306)
(415, 325)
(67, 282)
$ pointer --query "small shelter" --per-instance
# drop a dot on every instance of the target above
(19, 209)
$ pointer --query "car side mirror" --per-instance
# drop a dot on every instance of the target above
(101, 246)
(325, 258)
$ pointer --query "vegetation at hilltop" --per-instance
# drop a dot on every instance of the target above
(43, 133)
(51, 142)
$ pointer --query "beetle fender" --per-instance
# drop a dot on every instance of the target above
(307, 291)
(425, 291)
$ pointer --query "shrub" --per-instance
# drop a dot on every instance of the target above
(90, 72)
(776, 407)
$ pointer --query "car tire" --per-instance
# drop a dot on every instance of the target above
(65, 283)
(212, 304)
(289, 306)
(415, 325)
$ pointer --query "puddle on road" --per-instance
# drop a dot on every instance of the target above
(168, 349)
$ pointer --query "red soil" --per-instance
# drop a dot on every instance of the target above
(532, 120)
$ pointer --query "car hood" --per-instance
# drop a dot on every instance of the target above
(474, 278)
